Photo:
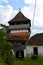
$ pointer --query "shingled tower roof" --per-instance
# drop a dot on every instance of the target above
(19, 18)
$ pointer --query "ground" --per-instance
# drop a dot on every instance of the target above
(29, 61)
(25, 61)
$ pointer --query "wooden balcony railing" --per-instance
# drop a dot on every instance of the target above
(20, 26)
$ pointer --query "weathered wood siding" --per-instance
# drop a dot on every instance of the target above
(22, 26)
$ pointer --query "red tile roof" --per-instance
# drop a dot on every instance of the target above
(20, 33)
(18, 36)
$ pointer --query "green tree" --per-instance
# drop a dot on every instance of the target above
(5, 49)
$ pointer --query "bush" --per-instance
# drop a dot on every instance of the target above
(5, 49)
(9, 58)
(6, 53)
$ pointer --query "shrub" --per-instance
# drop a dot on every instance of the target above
(5, 49)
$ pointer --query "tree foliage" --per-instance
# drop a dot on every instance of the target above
(5, 49)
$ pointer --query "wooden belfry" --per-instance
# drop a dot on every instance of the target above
(19, 32)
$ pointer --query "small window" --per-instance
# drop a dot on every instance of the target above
(29, 29)
(23, 43)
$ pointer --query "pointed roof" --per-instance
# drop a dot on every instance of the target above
(19, 18)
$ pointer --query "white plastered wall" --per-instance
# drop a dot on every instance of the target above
(24, 52)
(29, 50)
(40, 50)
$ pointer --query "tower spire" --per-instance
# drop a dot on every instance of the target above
(19, 9)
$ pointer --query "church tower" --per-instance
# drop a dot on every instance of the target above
(19, 32)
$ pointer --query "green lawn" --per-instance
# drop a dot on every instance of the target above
(25, 61)
(29, 61)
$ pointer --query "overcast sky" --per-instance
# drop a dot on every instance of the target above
(9, 8)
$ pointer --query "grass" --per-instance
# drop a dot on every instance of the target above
(25, 61)
(29, 61)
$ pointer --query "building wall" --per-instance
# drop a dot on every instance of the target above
(24, 52)
(40, 50)
(29, 50)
